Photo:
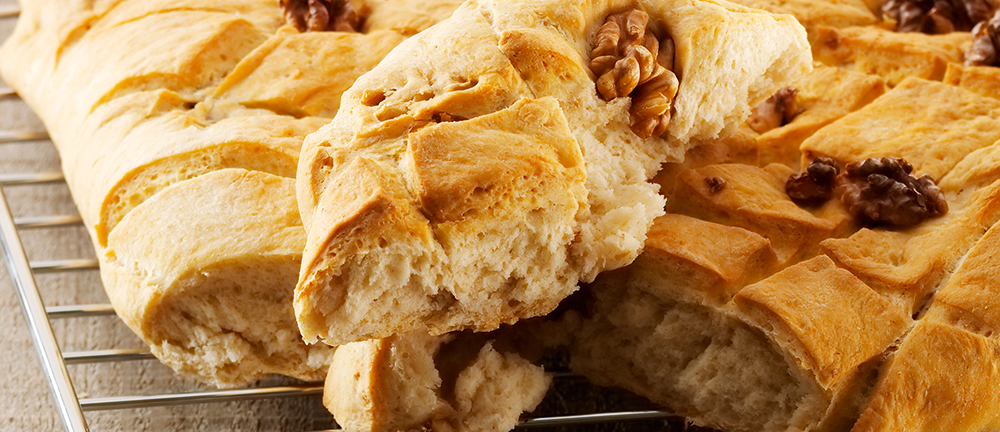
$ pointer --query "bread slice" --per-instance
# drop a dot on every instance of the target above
(211, 291)
(179, 125)
(475, 176)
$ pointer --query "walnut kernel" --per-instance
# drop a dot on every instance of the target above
(985, 43)
(937, 16)
(881, 190)
(815, 185)
(322, 15)
(778, 110)
(715, 184)
(629, 60)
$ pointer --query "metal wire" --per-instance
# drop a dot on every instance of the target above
(30, 179)
(79, 311)
(20, 136)
(38, 324)
(47, 221)
(113, 403)
(106, 356)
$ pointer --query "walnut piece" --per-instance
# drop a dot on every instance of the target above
(881, 190)
(715, 184)
(814, 186)
(322, 15)
(778, 110)
(985, 43)
(937, 16)
(629, 60)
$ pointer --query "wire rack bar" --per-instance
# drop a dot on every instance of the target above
(7, 93)
(79, 311)
(49, 353)
(10, 12)
(126, 402)
(107, 356)
(31, 178)
(53, 266)
(595, 418)
(47, 221)
(21, 136)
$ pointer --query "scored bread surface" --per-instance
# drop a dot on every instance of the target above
(475, 177)
(749, 312)
(179, 124)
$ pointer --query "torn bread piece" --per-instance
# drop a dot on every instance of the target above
(455, 382)
(179, 125)
(495, 160)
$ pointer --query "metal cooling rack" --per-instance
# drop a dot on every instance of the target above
(70, 406)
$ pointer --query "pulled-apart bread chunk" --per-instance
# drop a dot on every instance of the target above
(179, 125)
(456, 382)
(495, 160)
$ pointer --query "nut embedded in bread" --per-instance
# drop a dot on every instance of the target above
(477, 175)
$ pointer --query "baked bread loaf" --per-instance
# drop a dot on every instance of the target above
(476, 175)
(179, 125)
(757, 306)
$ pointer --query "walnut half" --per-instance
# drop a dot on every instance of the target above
(875, 191)
(815, 185)
(937, 16)
(881, 190)
(322, 15)
(985, 43)
(629, 60)
(778, 110)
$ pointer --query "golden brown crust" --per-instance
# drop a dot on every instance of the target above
(931, 125)
(893, 56)
(942, 378)
(826, 316)
(755, 199)
(822, 97)
(984, 80)
(969, 300)
(683, 245)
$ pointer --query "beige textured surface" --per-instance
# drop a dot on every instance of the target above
(25, 400)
